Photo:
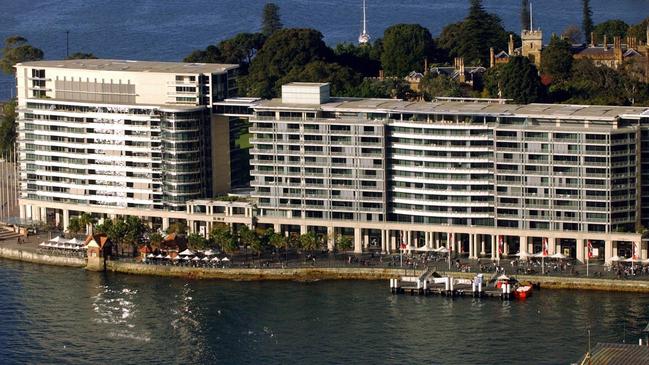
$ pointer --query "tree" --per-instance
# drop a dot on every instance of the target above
(211, 54)
(518, 80)
(364, 59)
(432, 86)
(249, 238)
(342, 79)
(639, 31)
(87, 221)
(8, 128)
(475, 35)
(557, 59)
(525, 14)
(81, 55)
(277, 241)
(587, 19)
(592, 84)
(178, 227)
(389, 88)
(309, 241)
(134, 232)
(155, 239)
(74, 226)
(572, 34)
(222, 237)
(270, 21)
(241, 48)
(343, 243)
(405, 47)
(611, 29)
(196, 241)
(17, 50)
(283, 51)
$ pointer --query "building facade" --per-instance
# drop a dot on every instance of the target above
(549, 169)
(122, 135)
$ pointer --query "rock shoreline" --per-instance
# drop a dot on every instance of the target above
(309, 274)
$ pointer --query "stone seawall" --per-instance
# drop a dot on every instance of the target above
(576, 283)
(241, 274)
(38, 258)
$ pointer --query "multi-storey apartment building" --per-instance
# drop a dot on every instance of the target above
(120, 137)
(531, 172)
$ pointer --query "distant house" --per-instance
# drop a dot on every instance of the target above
(99, 244)
(173, 242)
(471, 75)
(613, 55)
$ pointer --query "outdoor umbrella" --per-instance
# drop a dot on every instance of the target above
(196, 259)
(559, 255)
(42, 244)
(159, 256)
(215, 259)
(187, 252)
(616, 258)
(150, 256)
(225, 259)
(209, 253)
(57, 239)
(206, 258)
(522, 255)
(632, 259)
(186, 258)
(442, 249)
(176, 258)
(167, 257)
(74, 241)
(540, 254)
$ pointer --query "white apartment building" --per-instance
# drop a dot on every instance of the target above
(120, 137)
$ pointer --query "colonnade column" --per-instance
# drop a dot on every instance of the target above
(608, 251)
(66, 219)
(580, 250)
(437, 243)
(494, 249)
(523, 245)
(36, 213)
(393, 241)
(472, 248)
(331, 238)
(303, 229)
(23, 213)
(165, 224)
(482, 246)
(643, 250)
(358, 243)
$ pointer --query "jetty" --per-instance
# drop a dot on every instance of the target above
(431, 283)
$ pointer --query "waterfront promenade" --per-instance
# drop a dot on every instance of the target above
(345, 266)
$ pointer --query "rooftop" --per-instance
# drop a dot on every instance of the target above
(564, 111)
(133, 66)
(613, 353)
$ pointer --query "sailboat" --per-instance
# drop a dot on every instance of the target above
(364, 38)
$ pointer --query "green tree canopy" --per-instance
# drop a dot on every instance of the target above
(196, 241)
(599, 85)
(155, 238)
(240, 49)
(518, 80)
(572, 34)
(472, 37)
(222, 237)
(309, 241)
(17, 50)
(394, 88)
(270, 19)
(343, 243)
(74, 226)
(211, 54)
(639, 31)
(611, 29)
(8, 128)
(557, 59)
(81, 55)
(283, 51)
(586, 19)
(432, 86)
(342, 79)
(405, 47)
(364, 59)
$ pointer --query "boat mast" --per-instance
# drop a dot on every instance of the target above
(364, 37)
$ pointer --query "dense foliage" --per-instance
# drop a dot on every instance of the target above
(405, 47)
(16, 50)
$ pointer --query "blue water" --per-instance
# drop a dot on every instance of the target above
(69, 316)
(171, 29)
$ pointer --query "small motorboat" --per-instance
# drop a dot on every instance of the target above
(523, 291)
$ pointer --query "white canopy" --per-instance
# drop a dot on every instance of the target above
(175, 258)
(168, 257)
(633, 259)
(187, 252)
(645, 261)
(57, 239)
(503, 277)
(186, 258)
(559, 255)
(150, 256)
(205, 258)
(215, 259)
(196, 258)
(616, 258)
(540, 254)
(225, 259)
(441, 249)
(522, 255)
(209, 253)
(159, 256)
(42, 244)
(74, 241)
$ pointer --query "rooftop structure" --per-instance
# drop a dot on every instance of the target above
(135, 66)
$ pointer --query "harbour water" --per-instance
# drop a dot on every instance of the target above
(62, 315)
(169, 30)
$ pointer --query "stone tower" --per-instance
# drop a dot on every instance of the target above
(532, 45)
